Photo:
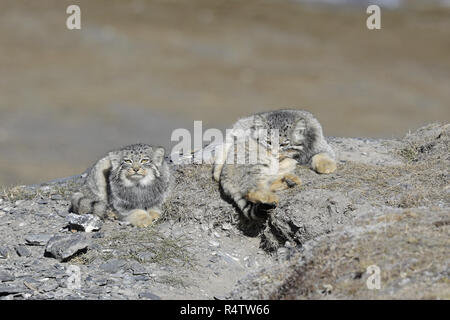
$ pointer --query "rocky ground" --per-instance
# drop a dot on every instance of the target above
(387, 205)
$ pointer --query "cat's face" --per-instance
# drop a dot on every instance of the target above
(291, 131)
(139, 165)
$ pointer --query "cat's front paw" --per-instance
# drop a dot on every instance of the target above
(141, 218)
(287, 181)
(154, 214)
(292, 180)
(322, 163)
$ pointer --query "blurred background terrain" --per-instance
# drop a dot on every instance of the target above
(139, 69)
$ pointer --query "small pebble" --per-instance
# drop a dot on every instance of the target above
(22, 251)
(4, 253)
(226, 226)
(19, 202)
(5, 276)
(149, 295)
(40, 239)
(113, 265)
(214, 244)
(56, 197)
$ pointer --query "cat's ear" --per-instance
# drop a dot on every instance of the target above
(114, 159)
(158, 155)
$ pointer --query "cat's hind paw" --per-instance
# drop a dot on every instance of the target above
(262, 196)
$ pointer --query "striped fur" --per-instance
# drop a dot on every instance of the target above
(132, 178)
(252, 187)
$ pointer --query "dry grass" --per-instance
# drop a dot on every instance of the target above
(407, 246)
(15, 193)
(130, 245)
(409, 241)
(406, 186)
(165, 250)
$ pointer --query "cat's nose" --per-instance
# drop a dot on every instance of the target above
(136, 169)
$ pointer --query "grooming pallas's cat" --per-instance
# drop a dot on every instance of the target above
(130, 183)
(252, 186)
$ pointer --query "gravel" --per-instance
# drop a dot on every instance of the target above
(201, 249)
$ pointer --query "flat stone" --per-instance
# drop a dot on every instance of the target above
(5, 276)
(49, 285)
(86, 222)
(63, 247)
(149, 295)
(214, 244)
(146, 256)
(22, 251)
(113, 265)
(19, 202)
(62, 213)
(43, 212)
(139, 269)
(56, 197)
(5, 290)
(7, 209)
(101, 282)
(40, 239)
(141, 277)
(4, 253)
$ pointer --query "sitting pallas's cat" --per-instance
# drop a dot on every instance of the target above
(252, 186)
(130, 183)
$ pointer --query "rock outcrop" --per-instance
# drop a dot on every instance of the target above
(386, 207)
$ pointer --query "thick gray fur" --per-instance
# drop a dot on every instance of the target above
(109, 187)
(300, 138)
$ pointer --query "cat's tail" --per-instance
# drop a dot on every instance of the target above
(254, 211)
(82, 204)
(253, 205)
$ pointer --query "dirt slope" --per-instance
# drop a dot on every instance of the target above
(387, 205)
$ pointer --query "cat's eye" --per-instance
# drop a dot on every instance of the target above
(145, 160)
(128, 161)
